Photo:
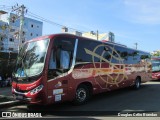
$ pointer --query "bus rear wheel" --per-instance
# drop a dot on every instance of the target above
(82, 95)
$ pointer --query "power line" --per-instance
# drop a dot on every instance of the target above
(51, 22)
(42, 18)
(5, 7)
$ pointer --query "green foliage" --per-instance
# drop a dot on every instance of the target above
(157, 53)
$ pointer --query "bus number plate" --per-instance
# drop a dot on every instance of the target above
(19, 97)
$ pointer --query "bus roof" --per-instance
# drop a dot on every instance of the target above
(71, 35)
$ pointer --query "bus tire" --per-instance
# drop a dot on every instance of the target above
(82, 95)
(137, 83)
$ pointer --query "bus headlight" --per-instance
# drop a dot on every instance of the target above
(36, 90)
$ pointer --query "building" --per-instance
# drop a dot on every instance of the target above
(101, 37)
(3, 31)
(3, 34)
(9, 31)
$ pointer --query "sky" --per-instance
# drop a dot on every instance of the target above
(132, 21)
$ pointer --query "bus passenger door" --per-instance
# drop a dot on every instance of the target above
(58, 71)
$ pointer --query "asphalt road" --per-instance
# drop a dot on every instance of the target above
(6, 91)
(145, 100)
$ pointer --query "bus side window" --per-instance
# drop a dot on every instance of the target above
(52, 62)
(64, 59)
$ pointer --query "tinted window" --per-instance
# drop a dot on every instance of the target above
(89, 51)
(130, 56)
(121, 54)
(65, 59)
(62, 53)
(61, 56)
(82, 55)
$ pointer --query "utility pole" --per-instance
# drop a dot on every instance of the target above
(97, 34)
(136, 45)
(20, 11)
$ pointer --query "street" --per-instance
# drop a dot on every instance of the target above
(127, 100)
(5, 91)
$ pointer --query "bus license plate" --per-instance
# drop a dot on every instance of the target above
(19, 97)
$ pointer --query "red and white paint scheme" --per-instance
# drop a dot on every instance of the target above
(155, 68)
(64, 67)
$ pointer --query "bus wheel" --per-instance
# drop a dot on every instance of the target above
(137, 83)
(82, 95)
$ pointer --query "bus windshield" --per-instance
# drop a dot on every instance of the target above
(31, 58)
(155, 65)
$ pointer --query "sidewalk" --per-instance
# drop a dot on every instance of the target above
(6, 98)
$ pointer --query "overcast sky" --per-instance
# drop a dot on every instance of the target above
(132, 21)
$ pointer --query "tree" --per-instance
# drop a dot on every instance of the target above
(156, 53)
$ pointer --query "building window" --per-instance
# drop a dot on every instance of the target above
(1, 38)
(23, 40)
(12, 30)
(32, 25)
(36, 34)
(11, 39)
(37, 26)
(1, 48)
(23, 33)
(11, 49)
(31, 34)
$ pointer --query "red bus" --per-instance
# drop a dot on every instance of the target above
(155, 68)
(64, 67)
